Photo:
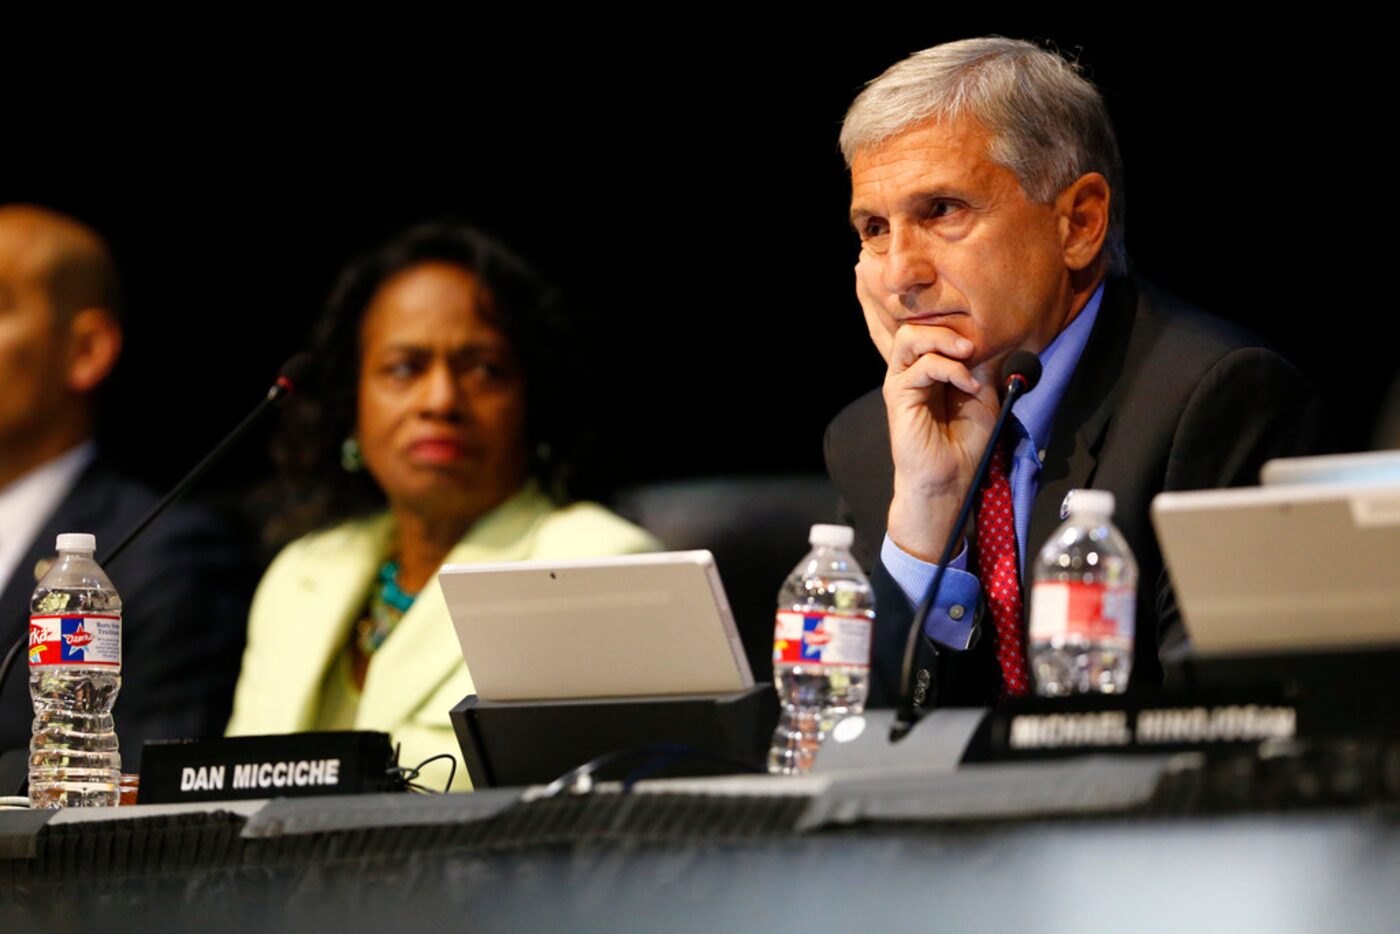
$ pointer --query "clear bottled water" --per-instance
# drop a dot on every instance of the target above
(74, 675)
(1082, 603)
(821, 648)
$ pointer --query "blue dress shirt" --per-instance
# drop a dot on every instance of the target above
(1032, 417)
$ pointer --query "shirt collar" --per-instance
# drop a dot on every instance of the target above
(1036, 409)
(27, 503)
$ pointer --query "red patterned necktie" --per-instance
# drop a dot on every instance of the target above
(998, 567)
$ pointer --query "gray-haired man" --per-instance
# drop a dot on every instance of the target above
(986, 188)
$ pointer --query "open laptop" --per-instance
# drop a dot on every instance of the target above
(1301, 566)
(630, 626)
(1363, 467)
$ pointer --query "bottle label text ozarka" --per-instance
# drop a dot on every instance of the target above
(94, 639)
(822, 639)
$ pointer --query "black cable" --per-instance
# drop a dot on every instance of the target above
(408, 775)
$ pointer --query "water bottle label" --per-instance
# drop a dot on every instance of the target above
(75, 640)
(822, 639)
(1074, 609)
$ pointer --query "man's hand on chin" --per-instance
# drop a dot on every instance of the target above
(941, 413)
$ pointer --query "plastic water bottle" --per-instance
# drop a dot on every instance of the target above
(75, 657)
(1082, 603)
(821, 648)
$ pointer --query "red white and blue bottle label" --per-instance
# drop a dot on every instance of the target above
(93, 639)
(822, 639)
(1080, 611)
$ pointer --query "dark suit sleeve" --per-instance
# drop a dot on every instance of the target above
(1251, 406)
(854, 441)
(842, 446)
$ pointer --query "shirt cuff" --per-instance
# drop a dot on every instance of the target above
(950, 620)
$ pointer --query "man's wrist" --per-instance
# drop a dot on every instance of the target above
(950, 620)
(920, 525)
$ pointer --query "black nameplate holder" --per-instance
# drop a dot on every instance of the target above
(284, 766)
(1171, 721)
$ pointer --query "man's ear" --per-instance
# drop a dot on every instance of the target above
(1083, 210)
(94, 344)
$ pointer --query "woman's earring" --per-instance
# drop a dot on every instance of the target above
(352, 459)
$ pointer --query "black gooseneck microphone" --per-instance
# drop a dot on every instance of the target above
(1019, 375)
(293, 372)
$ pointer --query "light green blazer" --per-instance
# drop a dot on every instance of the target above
(317, 587)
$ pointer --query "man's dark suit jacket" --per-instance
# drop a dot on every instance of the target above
(185, 586)
(1164, 398)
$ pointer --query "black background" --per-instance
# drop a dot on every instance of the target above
(681, 179)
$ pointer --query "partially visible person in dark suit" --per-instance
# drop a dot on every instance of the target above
(185, 583)
(987, 192)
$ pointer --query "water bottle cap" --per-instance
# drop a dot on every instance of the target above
(1091, 503)
(77, 541)
(836, 536)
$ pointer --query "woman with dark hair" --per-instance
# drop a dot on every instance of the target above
(441, 431)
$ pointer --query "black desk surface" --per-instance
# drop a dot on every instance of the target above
(1080, 844)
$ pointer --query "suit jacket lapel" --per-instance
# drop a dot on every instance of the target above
(1084, 413)
(325, 602)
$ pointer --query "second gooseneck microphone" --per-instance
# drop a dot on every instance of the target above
(293, 372)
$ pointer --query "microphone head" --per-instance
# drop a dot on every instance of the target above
(292, 375)
(1023, 366)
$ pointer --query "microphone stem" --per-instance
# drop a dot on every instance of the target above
(280, 390)
(908, 713)
(189, 479)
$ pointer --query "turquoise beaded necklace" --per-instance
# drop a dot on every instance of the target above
(388, 602)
